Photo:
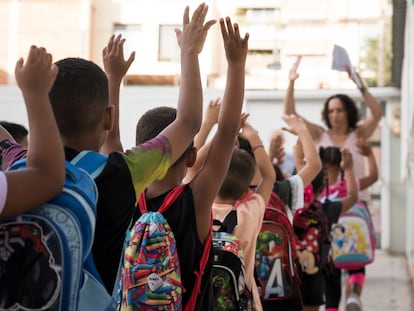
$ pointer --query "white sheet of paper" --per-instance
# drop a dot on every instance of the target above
(341, 62)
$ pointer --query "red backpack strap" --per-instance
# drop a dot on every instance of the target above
(199, 274)
(168, 200)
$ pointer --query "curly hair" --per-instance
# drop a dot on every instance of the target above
(350, 107)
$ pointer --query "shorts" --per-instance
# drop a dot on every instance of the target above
(313, 289)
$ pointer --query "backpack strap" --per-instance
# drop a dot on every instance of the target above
(91, 161)
(168, 200)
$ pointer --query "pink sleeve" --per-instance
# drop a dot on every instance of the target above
(3, 191)
(12, 154)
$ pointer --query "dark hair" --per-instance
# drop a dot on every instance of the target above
(17, 131)
(318, 182)
(239, 175)
(152, 122)
(330, 155)
(245, 145)
(350, 107)
(279, 173)
(79, 96)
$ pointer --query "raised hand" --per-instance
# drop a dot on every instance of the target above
(193, 35)
(295, 124)
(37, 74)
(293, 74)
(114, 62)
(235, 46)
(364, 147)
(276, 149)
(213, 110)
(346, 159)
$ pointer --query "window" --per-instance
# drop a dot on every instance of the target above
(168, 49)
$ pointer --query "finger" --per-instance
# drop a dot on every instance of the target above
(33, 52)
(223, 30)
(19, 65)
(237, 31)
(131, 58)
(197, 15)
(117, 43)
(229, 27)
(120, 49)
(209, 24)
(178, 33)
(186, 16)
(110, 44)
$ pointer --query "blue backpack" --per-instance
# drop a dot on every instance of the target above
(46, 261)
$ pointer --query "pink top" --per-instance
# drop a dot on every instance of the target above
(249, 222)
(3, 190)
(358, 159)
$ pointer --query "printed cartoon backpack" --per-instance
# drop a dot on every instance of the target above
(46, 261)
(353, 239)
(276, 272)
(150, 273)
(229, 286)
(310, 225)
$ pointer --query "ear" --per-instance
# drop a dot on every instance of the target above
(109, 118)
(191, 157)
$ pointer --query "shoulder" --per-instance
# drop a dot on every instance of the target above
(3, 190)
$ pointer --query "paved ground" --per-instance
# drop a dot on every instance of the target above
(388, 286)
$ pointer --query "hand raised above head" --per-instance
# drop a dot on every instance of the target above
(213, 110)
(38, 73)
(293, 74)
(113, 57)
(346, 159)
(235, 46)
(295, 124)
(193, 35)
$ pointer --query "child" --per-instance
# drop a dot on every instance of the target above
(250, 212)
(313, 286)
(17, 131)
(85, 117)
(190, 215)
(44, 175)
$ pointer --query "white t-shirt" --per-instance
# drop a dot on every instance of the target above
(3, 191)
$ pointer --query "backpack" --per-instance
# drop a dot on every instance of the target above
(150, 273)
(310, 225)
(276, 272)
(228, 273)
(46, 260)
(353, 239)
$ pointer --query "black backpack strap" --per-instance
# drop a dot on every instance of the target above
(228, 223)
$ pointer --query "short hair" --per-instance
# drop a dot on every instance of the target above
(17, 131)
(350, 107)
(152, 122)
(239, 175)
(79, 96)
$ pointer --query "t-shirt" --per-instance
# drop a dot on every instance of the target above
(249, 222)
(3, 190)
(181, 218)
(123, 178)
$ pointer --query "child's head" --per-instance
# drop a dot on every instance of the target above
(79, 97)
(153, 122)
(330, 156)
(239, 175)
(17, 131)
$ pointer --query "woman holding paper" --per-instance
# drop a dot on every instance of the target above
(344, 130)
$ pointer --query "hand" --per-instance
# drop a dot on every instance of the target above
(248, 132)
(192, 37)
(293, 75)
(243, 119)
(213, 110)
(364, 147)
(235, 47)
(295, 124)
(346, 159)
(113, 58)
(360, 83)
(38, 73)
(276, 149)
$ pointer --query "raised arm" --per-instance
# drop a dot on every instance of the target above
(370, 123)
(372, 177)
(264, 165)
(312, 164)
(289, 101)
(44, 175)
(352, 189)
(210, 119)
(115, 67)
(207, 182)
(191, 40)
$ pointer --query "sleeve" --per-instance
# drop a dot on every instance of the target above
(10, 155)
(297, 192)
(3, 191)
(149, 161)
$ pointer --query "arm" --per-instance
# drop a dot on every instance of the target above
(299, 156)
(191, 39)
(352, 189)
(289, 102)
(210, 119)
(207, 182)
(115, 68)
(44, 175)
(372, 176)
(266, 170)
(313, 162)
(369, 124)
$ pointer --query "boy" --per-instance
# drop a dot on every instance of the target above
(190, 215)
(85, 115)
(44, 175)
